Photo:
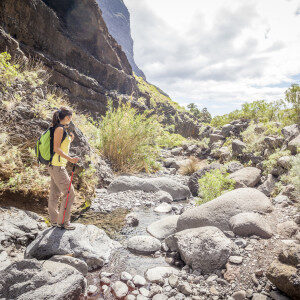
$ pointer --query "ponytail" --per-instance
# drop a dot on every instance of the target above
(60, 115)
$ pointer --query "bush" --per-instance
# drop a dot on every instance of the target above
(128, 139)
(213, 184)
(271, 162)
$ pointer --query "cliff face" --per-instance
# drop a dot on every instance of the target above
(71, 38)
(117, 19)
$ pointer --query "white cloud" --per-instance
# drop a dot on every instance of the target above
(217, 54)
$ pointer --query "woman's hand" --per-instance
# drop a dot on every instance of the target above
(74, 160)
(72, 136)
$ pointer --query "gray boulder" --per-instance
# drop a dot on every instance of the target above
(234, 166)
(205, 248)
(290, 132)
(76, 263)
(218, 211)
(19, 226)
(246, 177)
(268, 185)
(294, 144)
(31, 279)
(177, 190)
(163, 196)
(88, 243)
(237, 147)
(250, 223)
(144, 244)
(164, 227)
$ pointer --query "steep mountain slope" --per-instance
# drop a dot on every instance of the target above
(117, 19)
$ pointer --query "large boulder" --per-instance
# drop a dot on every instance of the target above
(31, 279)
(246, 177)
(237, 147)
(290, 132)
(164, 227)
(218, 211)
(205, 248)
(88, 243)
(250, 223)
(144, 244)
(294, 145)
(19, 226)
(124, 183)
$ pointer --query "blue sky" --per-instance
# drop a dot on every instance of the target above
(218, 54)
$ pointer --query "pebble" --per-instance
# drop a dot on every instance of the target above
(139, 280)
(92, 289)
(236, 259)
(240, 295)
(125, 276)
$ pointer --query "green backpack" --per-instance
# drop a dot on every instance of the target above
(44, 145)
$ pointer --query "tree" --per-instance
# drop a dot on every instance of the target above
(292, 95)
(203, 116)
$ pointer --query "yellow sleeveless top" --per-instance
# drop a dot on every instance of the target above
(64, 146)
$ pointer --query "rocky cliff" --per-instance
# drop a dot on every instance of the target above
(117, 19)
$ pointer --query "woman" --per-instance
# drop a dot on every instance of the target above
(57, 168)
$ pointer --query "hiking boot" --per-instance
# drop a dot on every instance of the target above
(68, 226)
(54, 224)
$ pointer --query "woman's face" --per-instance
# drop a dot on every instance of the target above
(68, 119)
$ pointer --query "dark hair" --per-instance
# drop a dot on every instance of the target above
(60, 114)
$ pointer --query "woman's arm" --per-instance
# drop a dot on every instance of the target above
(58, 135)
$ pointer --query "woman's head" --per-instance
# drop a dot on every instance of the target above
(62, 116)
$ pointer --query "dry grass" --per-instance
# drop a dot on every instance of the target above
(192, 166)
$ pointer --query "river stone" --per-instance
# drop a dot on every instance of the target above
(19, 226)
(144, 244)
(31, 279)
(88, 243)
(76, 263)
(246, 177)
(177, 190)
(157, 274)
(218, 211)
(163, 196)
(250, 223)
(120, 289)
(205, 248)
(163, 208)
(163, 227)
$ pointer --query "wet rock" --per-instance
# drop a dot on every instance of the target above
(120, 289)
(145, 244)
(157, 274)
(163, 208)
(246, 177)
(48, 280)
(164, 227)
(205, 248)
(218, 211)
(88, 243)
(177, 190)
(76, 263)
(250, 223)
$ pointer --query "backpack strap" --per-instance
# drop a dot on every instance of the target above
(52, 129)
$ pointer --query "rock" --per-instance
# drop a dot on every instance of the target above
(240, 295)
(132, 220)
(92, 289)
(287, 229)
(250, 223)
(163, 196)
(268, 185)
(238, 147)
(157, 274)
(168, 162)
(76, 263)
(176, 151)
(290, 132)
(294, 144)
(290, 255)
(246, 177)
(227, 130)
(285, 162)
(236, 259)
(41, 280)
(88, 243)
(19, 226)
(205, 248)
(125, 276)
(276, 295)
(185, 288)
(163, 208)
(139, 280)
(285, 278)
(216, 138)
(218, 211)
(120, 289)
(173, 280)
(177, 190)
(281, 199)
(143, 244)
(163, 227)
(193, 180)
(144, 291)
(234, 166)
(257, 296)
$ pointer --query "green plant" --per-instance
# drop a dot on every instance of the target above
(271, 161)
(214, 184)
(292, 96)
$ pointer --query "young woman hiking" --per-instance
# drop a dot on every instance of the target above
(57, 169)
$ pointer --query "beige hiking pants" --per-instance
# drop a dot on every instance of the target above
(60, 181)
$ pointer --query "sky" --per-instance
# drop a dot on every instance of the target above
(217, 54)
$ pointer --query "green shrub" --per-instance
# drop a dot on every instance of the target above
(128, 139)
(271, 161)
(214, 184)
